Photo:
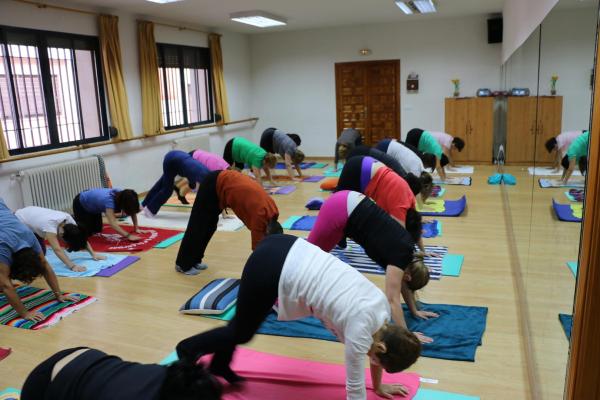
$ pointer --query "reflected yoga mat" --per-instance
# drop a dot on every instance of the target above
(43, 301)
(274, 377)
(573, 267)
(432, 229)
(549, 171)
(459, 169)
(457, 332)
(84, 259)
(555, 183)
(110, 240)
(10, 394)
(452, 208)
(567, 323)
(565, 212)
(454, 180)
(300, 223)
(575, 195)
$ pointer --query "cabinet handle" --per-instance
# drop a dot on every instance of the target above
(532, 130)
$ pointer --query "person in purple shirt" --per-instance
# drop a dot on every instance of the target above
(175, 163)
(89, 205)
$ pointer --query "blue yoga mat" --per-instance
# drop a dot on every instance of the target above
(564, 212)
(297, 223)
(567, 323)
(304, 165)
(457, 332)
(432, 229)
(454, 208)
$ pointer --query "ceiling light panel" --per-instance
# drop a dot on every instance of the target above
(404, 7)
(260, 19)
(425, 6)
(163, 1)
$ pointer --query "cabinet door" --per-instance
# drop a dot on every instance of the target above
(549, 125)
(456, 120)
(520, 129)
(479, 141)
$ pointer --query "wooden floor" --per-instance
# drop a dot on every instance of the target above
(136, 316)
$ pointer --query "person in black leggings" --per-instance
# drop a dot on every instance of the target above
(93, 374)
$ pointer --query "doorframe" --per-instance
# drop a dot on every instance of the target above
(398, 91)
(582, 370)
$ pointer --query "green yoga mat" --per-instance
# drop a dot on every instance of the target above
(452, 264)
(170, 241)
(226, 316)
(428, 394)
(288, 223)
(573, 266)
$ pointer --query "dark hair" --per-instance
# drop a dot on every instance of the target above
(414, 224)
(414, 183)
(415, 130)
(26, 265)
(551, 144)
(127, 201)
(296, 138)
(458, 143)
(429, 160)
(75, 237)
(274, 227)
(426, 184)
(186, 381)
(444, 160)
(403, 348)
(582, 162)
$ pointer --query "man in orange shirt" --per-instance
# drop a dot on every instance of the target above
(221, 190)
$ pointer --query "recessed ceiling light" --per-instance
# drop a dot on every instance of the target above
(404, 7)
(416, 6)
(163, 1)
(261, 19)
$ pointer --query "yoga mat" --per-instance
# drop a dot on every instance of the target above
(573, 266)
(553, 183)
(453, 208)
(315, 178)
(274, 377)
(319, 165)
(10, 394)
(575, 195)
(548, 171)
(331, 174)
(457, 332)
(437, 191)
(40, 300)
(110, 240)
(108, 272)
(564, 212)
(304, 165)
(174, 201)
(170, 241)
(459, 169)
(84, 259)
(179, 220)
(288, 223)
(577, 210)
(355, 256)
(280, 189)
(452, 264)
(4, 352)
(567, 324)
(454, 180)
(226, 316)
(428, 394)
(432, 229)
(432, 205)
(300, 223)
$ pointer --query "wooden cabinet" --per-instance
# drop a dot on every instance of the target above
(471, 119)
(531, 121)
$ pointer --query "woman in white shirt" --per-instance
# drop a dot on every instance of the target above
(55, 226)
(310, 282)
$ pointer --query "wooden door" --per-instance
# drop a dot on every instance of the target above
(520, 129)
(479, 141)
(368, 99)
(456, 116)
(549, 124)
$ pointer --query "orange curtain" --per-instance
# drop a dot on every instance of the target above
(112, 66)
(152, 122)
(216, 56)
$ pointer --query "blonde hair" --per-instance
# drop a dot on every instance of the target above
(298, 157)
(419, 274)
(270, 160)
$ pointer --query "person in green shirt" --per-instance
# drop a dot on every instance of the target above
(427, 144)
(240, 151)
(576, 155)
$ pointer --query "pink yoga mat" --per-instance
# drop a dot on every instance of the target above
(273, 377)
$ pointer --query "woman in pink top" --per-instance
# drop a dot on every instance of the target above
(449, 144)
(212, 161)
(560, 144)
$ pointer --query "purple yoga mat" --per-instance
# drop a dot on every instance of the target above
(121, 265)
(564, 212)
(286, 189)
(315, 178)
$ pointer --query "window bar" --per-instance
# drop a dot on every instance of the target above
(24, 81)
(101, 122)
(11, 79)
(166, 92)
(182, 84)
(197, 90)
(57, 97)
(176, 103)
(77, 94)
(73, 122)
(45, 76)
(208, 94)
(65, 88)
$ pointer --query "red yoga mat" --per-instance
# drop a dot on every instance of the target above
(273, 377)
(110, 240)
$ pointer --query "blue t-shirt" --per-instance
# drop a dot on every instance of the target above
(96, 201)
(14, 235)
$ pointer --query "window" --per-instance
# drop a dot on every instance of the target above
(185, 85)
(51, 90)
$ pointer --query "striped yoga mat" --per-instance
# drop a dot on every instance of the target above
(355, 256)
(40, 300)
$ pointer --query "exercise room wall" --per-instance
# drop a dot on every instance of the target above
(294, 81)
(141, 159)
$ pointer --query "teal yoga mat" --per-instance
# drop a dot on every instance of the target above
(573, 266)
(428, 394)
(330, 173)
(170, 241)
(452, 264)
(171, 358)
(288, 223)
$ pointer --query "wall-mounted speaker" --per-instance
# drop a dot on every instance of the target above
(494, 30)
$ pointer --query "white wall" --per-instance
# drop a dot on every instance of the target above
(135, 164)
(293, 73)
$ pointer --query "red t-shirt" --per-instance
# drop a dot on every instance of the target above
(248, 200)
(391, 193)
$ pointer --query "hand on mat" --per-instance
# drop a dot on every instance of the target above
(388, 391)
(34, 316)
(426, 314)
(79, 268)
(422, 338)
(72, 298)
(133, 238)
(99, 257)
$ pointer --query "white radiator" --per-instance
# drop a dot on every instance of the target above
(190, 143)
(55, 186)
